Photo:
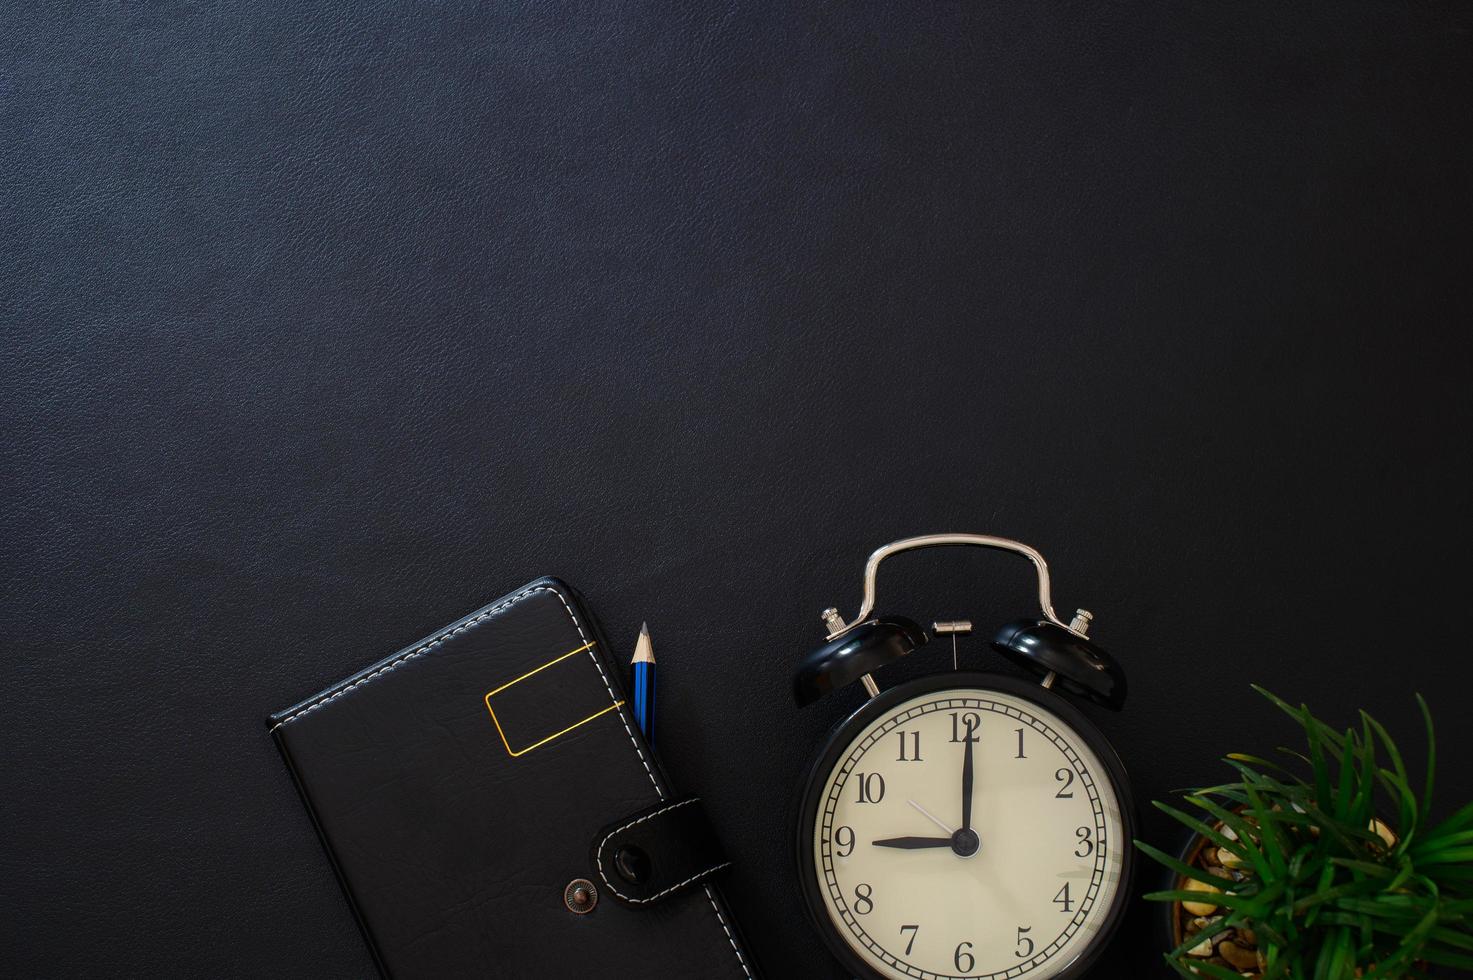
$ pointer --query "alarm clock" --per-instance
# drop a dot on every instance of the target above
(965, 824)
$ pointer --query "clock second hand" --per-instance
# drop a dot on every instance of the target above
(931, 817)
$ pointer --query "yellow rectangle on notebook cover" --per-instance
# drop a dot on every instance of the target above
(549, 701)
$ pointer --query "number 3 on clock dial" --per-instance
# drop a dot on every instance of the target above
(1013, 882)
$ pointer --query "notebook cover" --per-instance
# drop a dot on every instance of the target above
(458, 784)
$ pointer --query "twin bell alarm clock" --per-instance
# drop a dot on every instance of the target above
(965, 824)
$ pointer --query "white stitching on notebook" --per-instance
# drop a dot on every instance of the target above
(598, 855)
(427, 645)
(639, 753)
(741, 960)
(648, 816)
(710, 897)
(645, 901)
(610, 688)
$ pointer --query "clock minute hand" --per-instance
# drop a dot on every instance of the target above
(913, 843)
(967, 781)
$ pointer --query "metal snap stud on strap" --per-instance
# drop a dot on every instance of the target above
(580, 896)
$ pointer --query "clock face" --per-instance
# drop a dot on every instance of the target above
(968, 833)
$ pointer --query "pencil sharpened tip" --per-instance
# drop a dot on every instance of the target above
(644, 650)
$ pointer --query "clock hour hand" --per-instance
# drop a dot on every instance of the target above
(913, 843)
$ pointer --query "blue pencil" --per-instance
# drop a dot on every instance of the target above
(643, 667)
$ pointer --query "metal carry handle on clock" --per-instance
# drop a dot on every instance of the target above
(1060, 652)
(872, 569)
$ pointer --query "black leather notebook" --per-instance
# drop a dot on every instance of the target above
(491, 809)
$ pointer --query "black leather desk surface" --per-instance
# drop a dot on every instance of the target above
(322, 327)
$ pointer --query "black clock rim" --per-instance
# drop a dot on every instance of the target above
(842, 734)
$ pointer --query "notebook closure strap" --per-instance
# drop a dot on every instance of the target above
(658, 852)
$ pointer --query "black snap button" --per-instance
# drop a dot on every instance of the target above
(633, 864)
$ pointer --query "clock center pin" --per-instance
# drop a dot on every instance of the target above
(965, 843)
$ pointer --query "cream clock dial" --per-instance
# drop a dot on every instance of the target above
(967, 832)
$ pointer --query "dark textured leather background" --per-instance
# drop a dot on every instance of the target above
(323, 326)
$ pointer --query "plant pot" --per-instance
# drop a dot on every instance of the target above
(1168, 923)
(1175, 918)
